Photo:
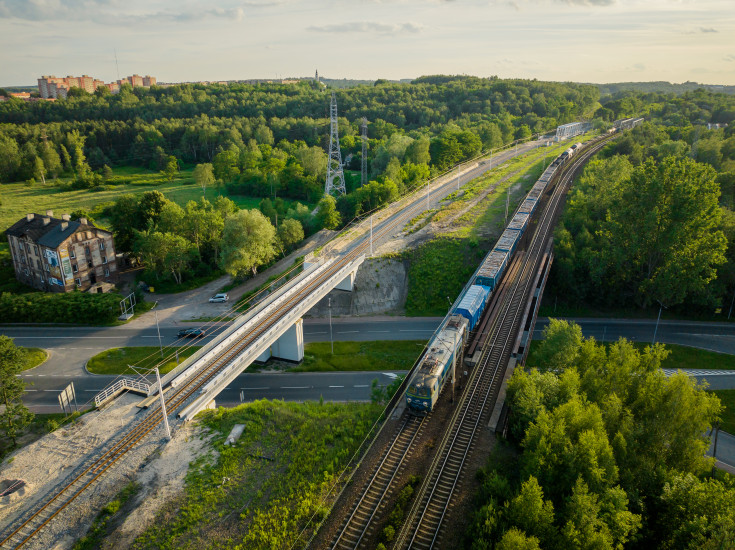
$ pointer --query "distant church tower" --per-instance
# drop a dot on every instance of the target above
(316, 76)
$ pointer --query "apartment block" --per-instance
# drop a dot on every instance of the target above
(52, 87)
(61, 255)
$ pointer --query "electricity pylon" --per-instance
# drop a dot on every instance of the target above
(363, 180)
(335, 175)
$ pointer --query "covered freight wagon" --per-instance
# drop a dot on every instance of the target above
(492, 269)
(507, 241)
(472, 304)
(519, 222)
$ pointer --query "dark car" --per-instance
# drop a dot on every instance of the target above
(191, 333)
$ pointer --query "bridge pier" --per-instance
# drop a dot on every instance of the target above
(289, 346)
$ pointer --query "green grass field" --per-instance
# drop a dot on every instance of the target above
(360, 356)
(19, 199)
(261, 492)
(116, 360)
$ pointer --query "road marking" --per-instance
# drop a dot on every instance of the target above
(294, 387)
(325, 332)
(347, 331)
(361, 386)
(71, 337)
(375, 331)
(263, 388)
(92, 390)
(336, 386)
(390, 375)
(40, 375)
(31, 390)
(57, 391)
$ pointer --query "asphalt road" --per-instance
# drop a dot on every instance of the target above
(70, 348)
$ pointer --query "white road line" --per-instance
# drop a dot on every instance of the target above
(294, 387)
(31, 390)
(361, 386)
(307, 333)
(101, 390)
(416, 330)
(57, 391)
(40, 375)
(263, 388)
(347, 331)
(375, 331)
(336, 386)
(72, 337)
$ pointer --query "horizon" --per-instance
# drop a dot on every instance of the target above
(586, 41)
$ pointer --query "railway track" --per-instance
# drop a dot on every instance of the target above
(423, 525)
(18, 535)
(376, 490)
(482, 387)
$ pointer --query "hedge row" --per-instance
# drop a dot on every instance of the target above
(74, 307)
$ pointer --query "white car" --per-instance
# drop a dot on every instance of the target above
(219, 298)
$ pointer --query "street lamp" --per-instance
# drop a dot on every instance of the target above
(160, 345)
(655, 331)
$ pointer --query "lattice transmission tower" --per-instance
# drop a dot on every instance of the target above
(335, 175)
(363, 180)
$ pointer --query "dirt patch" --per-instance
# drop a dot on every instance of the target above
(162, 484)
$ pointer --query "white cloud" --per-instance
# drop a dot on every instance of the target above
(367, 27)
(119, 12)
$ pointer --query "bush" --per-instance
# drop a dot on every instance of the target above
(74, 307)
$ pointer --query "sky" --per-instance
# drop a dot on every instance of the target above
(191, 40)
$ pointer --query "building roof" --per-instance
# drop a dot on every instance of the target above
(55, 236)
(49, 235)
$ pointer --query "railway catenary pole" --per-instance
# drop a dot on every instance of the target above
(163, 405)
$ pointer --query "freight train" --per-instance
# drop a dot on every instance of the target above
(446, 348)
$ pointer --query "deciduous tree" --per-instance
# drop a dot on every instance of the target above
(15, 416)
(247, 242)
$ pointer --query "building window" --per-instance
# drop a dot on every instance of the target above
(104, 259)
(86, 250)
(72, 254)
(74, 268)
(102, 245)
(78, 282)
(89, 265)
(26, 272)
(38, 265)
(107, 272)
(28, 248)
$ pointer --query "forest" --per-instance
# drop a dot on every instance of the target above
(604, 452)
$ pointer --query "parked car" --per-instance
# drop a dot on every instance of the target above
(219, 298)
(191, 333)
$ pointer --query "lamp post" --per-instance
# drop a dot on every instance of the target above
(655, 331)
(163, 405)
(160, 345)
(329, 305)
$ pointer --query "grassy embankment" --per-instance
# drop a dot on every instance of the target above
(440, 268)
(348, 356)
(261, 492)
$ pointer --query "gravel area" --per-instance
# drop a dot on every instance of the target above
(48, 463)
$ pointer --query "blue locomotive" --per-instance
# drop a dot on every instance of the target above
(443, 354)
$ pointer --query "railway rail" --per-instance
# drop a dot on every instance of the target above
(435, 493)
(18, 535)
(425, 520)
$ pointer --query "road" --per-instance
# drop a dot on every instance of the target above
(70, 348)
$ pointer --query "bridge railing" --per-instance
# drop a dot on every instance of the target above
(121, 385)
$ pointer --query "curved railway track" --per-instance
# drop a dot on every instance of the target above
(436, 491)
(87, 474)
(425, 520)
